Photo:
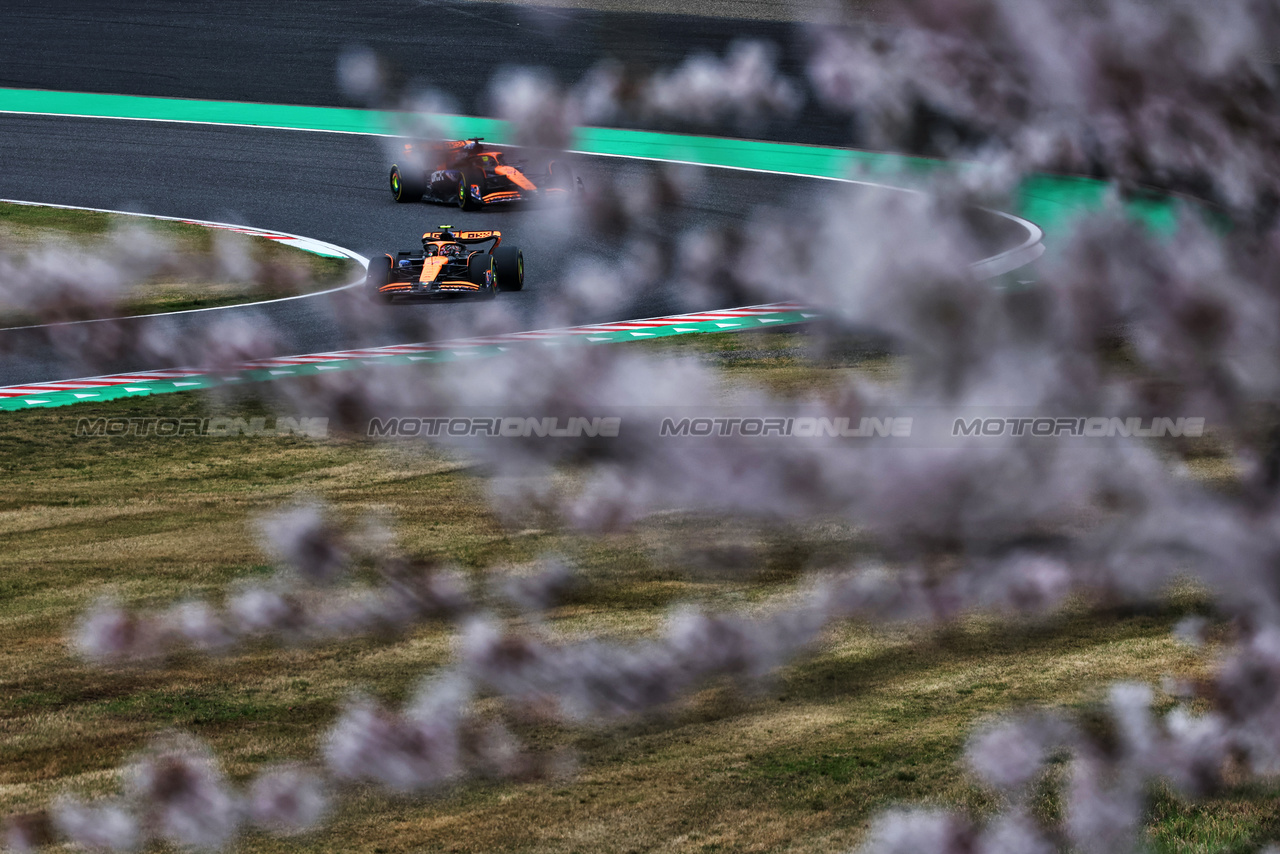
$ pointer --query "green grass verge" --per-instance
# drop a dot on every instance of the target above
(876, 717)
(198, 275)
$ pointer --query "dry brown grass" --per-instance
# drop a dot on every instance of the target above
(874, 718)
(197, 279)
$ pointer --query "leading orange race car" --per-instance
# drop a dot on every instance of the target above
(470, 174)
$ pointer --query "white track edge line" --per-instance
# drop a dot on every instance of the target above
(1005, 258)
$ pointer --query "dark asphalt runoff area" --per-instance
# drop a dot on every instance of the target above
(287, 51)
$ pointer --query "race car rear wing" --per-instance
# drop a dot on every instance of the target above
(465, 237)
(448, 144)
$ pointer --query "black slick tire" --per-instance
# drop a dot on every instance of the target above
(465, 201)
(404, 186)
(478, 266)
(379, 274)
(508, 263)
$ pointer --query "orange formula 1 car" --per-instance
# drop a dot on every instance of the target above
(471, 175)
(448, 266)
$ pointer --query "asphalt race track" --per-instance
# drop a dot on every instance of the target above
(327, 186)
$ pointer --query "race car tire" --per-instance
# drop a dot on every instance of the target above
(465, 202)
(561, 175)
(508, 262)
(379, 274)
(405, 187)
(477, 265)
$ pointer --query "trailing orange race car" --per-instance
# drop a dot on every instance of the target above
(448, 266)
(471, 175)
